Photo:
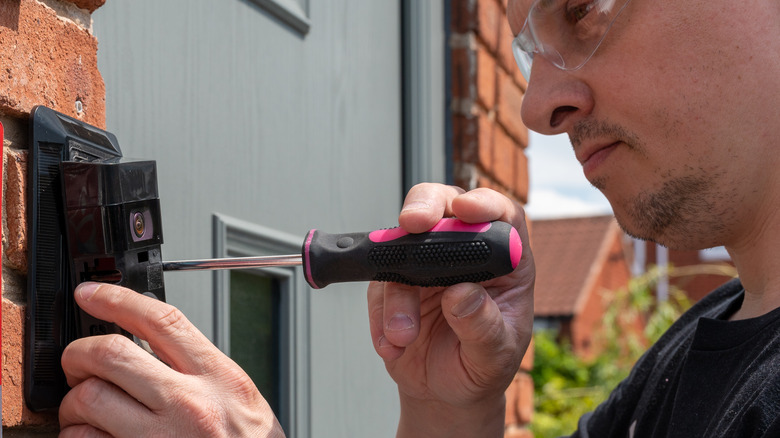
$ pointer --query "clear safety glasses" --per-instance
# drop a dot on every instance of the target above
(564, 32)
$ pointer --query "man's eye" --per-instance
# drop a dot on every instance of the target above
(576, 13)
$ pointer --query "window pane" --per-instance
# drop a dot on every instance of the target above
(254, 331)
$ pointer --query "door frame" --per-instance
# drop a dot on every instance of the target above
(238, 238)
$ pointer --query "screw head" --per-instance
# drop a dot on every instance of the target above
(139, 225)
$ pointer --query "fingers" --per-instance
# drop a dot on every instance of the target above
(483, 205)
(88, 403)
(121, 390)
(401, 314)
(425, 205)
(172, 337)
(394, 318)
(489, 346)
(82, 431)
(117, 359)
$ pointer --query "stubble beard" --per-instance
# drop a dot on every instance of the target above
(680, 214)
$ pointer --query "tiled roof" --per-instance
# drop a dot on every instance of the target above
(566, 253)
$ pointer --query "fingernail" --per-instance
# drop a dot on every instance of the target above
(469, 304)
(399, 322)
(383, 342)
(416, 205)
(86, 290)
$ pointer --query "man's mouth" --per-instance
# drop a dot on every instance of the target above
(591, 157)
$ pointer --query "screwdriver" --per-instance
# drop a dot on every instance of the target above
(451, 252)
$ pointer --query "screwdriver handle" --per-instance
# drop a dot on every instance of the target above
(449, 253)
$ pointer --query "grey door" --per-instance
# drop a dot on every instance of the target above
(269, 118)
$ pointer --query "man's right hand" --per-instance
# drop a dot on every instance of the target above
(453, 351)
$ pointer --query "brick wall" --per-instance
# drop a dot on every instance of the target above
(49, 58)
(489, 138)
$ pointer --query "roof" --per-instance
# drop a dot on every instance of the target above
(568, 254)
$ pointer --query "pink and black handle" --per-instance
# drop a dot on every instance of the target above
(449, 253)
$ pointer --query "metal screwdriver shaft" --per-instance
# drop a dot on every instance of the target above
(233, 263)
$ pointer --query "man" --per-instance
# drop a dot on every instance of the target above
(672, 108)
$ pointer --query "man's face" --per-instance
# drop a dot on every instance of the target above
(674, 118)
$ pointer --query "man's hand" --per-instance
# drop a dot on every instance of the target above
(453, 351)
(121, 390)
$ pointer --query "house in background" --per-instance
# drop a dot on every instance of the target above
(579, 260)
(576, 260)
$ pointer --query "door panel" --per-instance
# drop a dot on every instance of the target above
(248, 117)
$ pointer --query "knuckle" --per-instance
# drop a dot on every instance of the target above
(205, 416)
(166, 320)
(88, 394)
(112, 295)
(112, 349)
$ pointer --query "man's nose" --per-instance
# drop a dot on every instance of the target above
(554, 99)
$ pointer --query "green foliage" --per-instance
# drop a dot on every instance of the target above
(567, 386)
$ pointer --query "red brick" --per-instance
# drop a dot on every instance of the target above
(15, 131)
(489, 18)
(527, 363)
(486, 78)
(525, 398)
(465, 139)
(504, 159)
(89, 5)
(511, 395)
(15, 236)
(462, 16)
(486, 140)
(510, 101)
(464, 71)
(505, 57)
(48, 61)
(519, 400)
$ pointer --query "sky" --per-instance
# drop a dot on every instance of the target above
(558, 187)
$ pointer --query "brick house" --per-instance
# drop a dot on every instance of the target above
(50, 55)
(598, 256)
(570, 300)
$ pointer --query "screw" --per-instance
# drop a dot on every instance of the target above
(79, 107)
(139, 227)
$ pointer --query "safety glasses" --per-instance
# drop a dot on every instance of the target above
(564, 32)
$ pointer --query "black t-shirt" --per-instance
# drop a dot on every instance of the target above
(705, 377)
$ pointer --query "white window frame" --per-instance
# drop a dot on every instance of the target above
(237, 238)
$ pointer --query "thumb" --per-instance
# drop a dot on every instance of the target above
(489, 346)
